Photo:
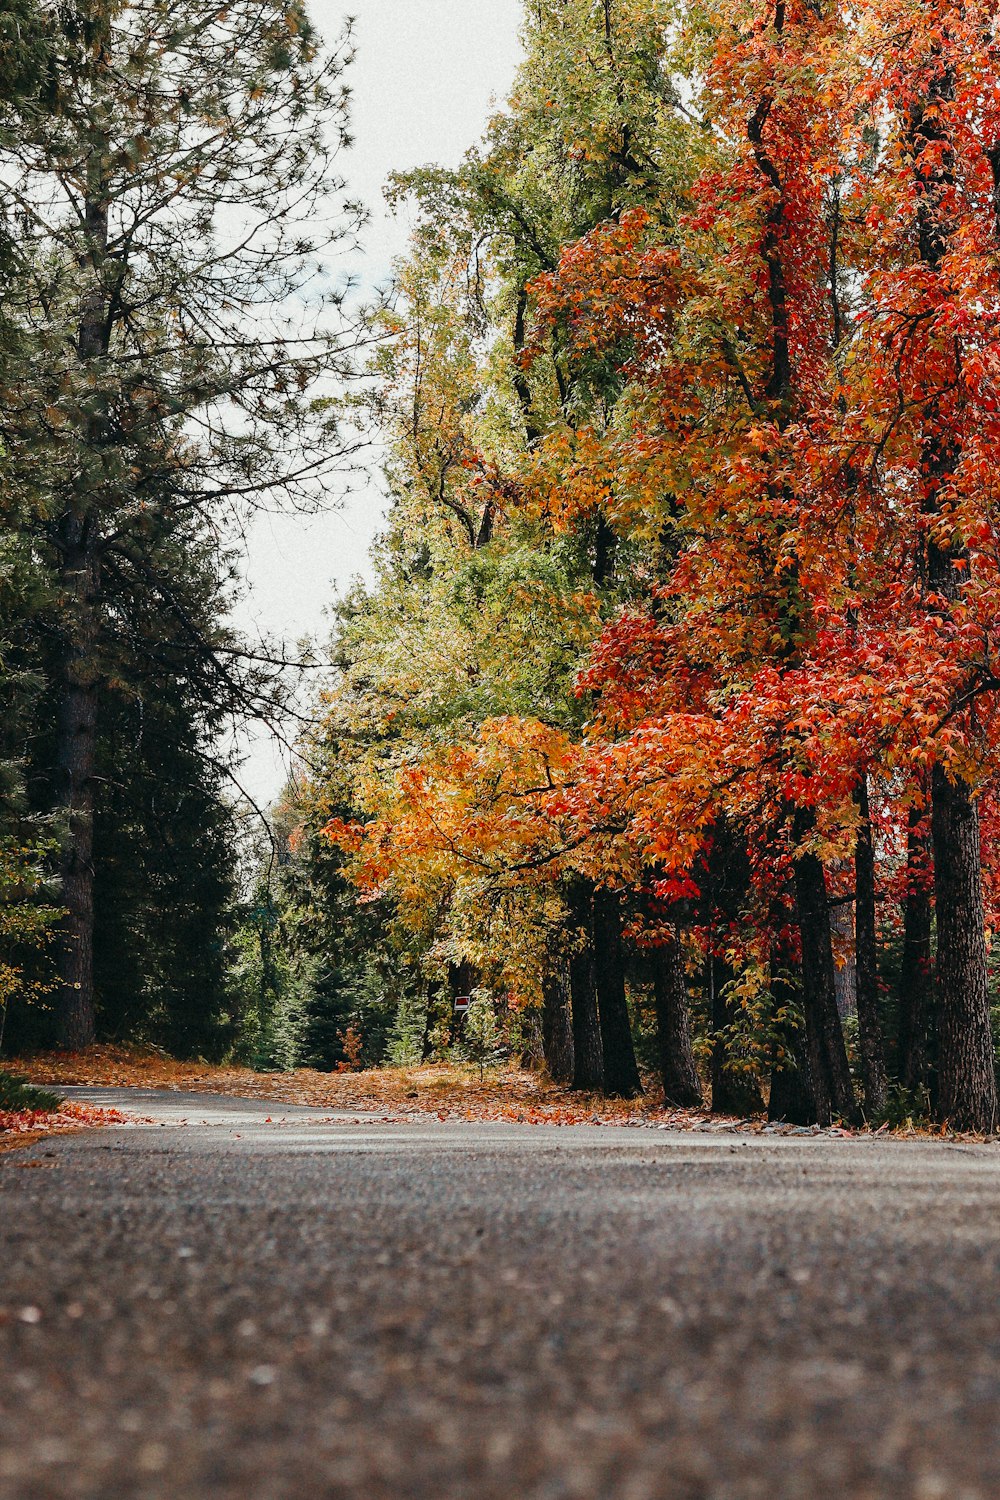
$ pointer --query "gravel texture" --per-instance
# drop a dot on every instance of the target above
(219, 1308)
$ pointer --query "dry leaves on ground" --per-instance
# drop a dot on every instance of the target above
(23, 1127)
(445, 1091)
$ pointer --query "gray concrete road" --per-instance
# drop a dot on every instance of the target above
(311, 1309)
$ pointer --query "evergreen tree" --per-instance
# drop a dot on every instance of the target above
(176, 321)
(27, 909)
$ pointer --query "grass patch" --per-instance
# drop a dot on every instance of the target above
(17, 1094)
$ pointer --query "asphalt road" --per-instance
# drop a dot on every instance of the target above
(225, 1309)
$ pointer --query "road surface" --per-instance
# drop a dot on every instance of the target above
(212, 1307)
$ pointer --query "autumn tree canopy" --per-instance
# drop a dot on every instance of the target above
(681, 644)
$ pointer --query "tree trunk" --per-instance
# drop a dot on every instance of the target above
(462, 980)
(605, 551)
(791, 1096)
(673, 1027)
(522, 386)
(557, 1029)
(78, 542)
(967, 1096)
(621, 1074)
(724, 891)
(967, 1091)
(76, 757)
(829, 1071)
(430, 1016)
(588, 1057)
(791, 1099)
(916, 975)
(870, 1041)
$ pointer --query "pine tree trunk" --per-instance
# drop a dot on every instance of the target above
(588, 1057)
(967, 1096)
(557, 1029)
(79, 547)
(673, 1027)
(76, 756)
(621, 1074)
(829, 1071)
(871, 1045)
(916, 975)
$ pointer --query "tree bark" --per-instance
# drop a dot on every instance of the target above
(967, 1087)
(724, 890)
(522, 388)
(916, 975)
(430, 1016)
(673, 1027)
(588, 1056)
(78, 542)
(462, 980)
(76, 756)
(605, 551)
(871, 1045)
(967, 1091)
(621, 1073)
(557, 1029)
(791, 1098)
(829, 1071)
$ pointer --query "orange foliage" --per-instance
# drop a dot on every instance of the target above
(773, 421)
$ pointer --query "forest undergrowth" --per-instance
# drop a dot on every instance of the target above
(29, 1112)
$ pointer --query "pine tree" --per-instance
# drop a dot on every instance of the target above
(177, 321)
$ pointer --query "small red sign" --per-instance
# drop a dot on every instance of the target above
(462, 1003)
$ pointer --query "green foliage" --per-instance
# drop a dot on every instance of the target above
(757, 1034)
(166, 888)
(481, 1040)
(312, 962)
(904, 1109)
(163, 832)
(27, 919)
(29, 898)
(327, 1010)
(17, 1093)
(365, 1002)
(406, 1039)
(150, 394)
(263, 977)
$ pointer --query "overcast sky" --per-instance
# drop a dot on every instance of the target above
(426, 76)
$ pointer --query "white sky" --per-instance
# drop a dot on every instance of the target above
(426, 76)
